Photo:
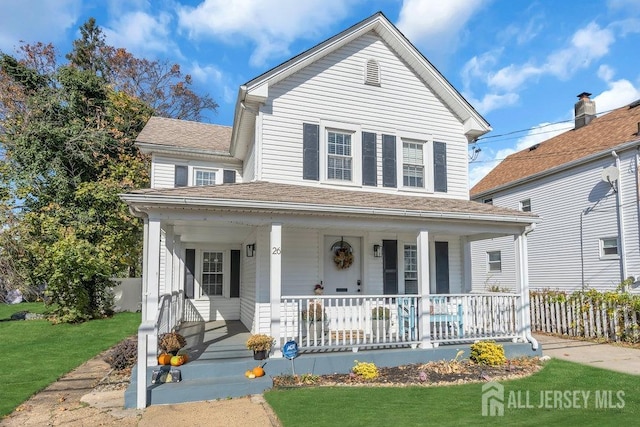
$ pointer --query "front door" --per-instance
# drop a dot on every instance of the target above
(342, 263)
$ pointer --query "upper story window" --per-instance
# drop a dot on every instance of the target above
(487, 201)
(525, 205)
(204, 177)
(413, 164)
(609, 247)
(372, 73)
(339, 156)
(494, 260)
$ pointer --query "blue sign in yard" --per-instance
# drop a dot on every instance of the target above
(290, 349)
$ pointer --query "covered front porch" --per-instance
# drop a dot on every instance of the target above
(392, 278)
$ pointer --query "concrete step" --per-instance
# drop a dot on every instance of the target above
(194, 390)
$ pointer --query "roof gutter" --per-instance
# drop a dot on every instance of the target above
(238, 112)
(147, 148)
(601, 154)
(291, 206)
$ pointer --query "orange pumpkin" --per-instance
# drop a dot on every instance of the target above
(258, 371)
(164, 359)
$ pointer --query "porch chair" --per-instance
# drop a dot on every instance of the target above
(448, 313)
(407, 318)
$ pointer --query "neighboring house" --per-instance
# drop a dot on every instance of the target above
(346, 167)
(584, 184)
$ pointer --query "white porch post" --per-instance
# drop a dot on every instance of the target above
(176, 261)
(275, 279)
(522, 285)
(147, 333)
(467, 285)
(423, 289)
(168, 259)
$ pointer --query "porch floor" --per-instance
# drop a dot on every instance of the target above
(219, 358)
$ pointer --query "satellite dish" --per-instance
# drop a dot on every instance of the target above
(610, 174)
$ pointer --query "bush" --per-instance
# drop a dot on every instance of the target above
(488, 353)
(366, 370)
(123, 355)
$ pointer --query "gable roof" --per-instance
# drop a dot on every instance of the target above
(260, 195)
(255, 91)
(602, 134)
(184, 135)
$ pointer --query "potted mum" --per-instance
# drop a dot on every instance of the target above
(171, 342)
(380, 321)
(314, 318)
(261, 345)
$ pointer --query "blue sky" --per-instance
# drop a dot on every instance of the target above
(519, 63)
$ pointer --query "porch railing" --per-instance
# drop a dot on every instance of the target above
(334, 322)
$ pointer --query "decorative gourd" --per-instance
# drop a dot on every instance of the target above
(247, 373)
(177, 361)
(258, 371)
(164, 359)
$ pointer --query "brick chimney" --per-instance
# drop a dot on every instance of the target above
(585, 110)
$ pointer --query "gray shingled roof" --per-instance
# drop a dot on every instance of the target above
(185, 134)
(310, 195)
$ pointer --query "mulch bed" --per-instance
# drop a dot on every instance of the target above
(427, 374)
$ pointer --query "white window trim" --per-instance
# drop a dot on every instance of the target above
(489, 270)
(609, 256)
(427, 158)
(356, 151)
(522, 205)
(226, 272)
(194, 169)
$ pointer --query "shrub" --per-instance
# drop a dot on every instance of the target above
(171, 342)
(366, 370)
(123, 355)
(260, 342)
(488, 353)
(314, 313)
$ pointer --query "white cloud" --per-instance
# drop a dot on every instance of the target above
(620, 92)
(512, 76)
(425, 21)
(493, 101)
(272, 29)
(36, 21)
(141, 33)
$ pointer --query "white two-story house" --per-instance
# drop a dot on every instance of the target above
(346, 170)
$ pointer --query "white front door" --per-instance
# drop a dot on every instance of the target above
(342, 265)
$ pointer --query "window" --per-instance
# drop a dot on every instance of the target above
(212, 274)
(410, 269)
(204, 177)
(494, 259)
(339, 158)
(487, 201)
(412, 164)
(525, 205)
(609, 247)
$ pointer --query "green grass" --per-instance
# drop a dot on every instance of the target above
(36, 353)
(461, 405)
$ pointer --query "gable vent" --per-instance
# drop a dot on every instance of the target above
(372, 73)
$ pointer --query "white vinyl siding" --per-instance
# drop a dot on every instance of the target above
(575, 206)
(163, 171)
(402, 104)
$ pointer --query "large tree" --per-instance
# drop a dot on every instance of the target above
(67, 150)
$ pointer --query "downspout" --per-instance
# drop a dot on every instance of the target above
(524, 262)
(620, 217)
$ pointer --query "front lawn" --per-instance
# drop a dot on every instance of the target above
(563, 393)
(36, 353)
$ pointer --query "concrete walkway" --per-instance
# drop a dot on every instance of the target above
(605, 356)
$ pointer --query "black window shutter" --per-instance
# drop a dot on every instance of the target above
(228, 176)
(390, 267)
(189, 272)
(181, 176)
(389, 161)
(369, 159)
(440, 167)
(234, 278)
(310, 151)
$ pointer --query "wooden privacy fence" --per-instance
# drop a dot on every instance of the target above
(612, 316)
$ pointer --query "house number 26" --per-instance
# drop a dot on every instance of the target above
(276, 251)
